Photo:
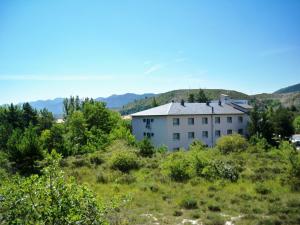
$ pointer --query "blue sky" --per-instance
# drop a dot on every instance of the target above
(97, 48)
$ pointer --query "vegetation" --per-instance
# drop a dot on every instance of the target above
(106, 177)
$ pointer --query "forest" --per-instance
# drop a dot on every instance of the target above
(91, 170)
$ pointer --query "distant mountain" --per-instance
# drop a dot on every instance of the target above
(114, 102)
(289, 89)
(117, 101)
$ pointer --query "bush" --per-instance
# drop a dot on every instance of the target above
(189, 203)
(197, 145)
(101, 178)
(124, 161)
(178, 167)
(177, 213)
(49, 199)
(232, 143)
(96, 159)
(262, 189)
(146, 148)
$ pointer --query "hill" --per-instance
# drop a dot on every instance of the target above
(289, 89)
(177, 95)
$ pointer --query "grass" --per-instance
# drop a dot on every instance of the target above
(261, 195)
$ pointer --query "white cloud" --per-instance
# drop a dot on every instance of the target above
(153, 68)
(55, 77)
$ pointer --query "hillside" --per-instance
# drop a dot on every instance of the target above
(286, 99)
(289, 89)
(177, 95)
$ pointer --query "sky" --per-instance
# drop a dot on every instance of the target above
(98, 48)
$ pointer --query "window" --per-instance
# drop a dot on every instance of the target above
(176, 136)
(241, 131)
(229, 119)
(152, 120)
(229, 131)
(217, 120)
(148, 135)
(191, 135)
(175, 121)
(240, 119)
(148, 123)
(144, 120)
(205, 134)
(217, 133)
(204, 120)
(191, 121)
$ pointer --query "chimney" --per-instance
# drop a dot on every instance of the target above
(172, 101)
(207, 103)
(182, 102)
(212, 110)
(220, 103)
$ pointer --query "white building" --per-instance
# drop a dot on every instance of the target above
(177, 125)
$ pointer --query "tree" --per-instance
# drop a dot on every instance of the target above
(191, 98)
(45, 119)
(146, 148)
(201, 97)
(296, 124)
(24, 150)
(282, 121)
(29, 115)
(154, 103)
(260, 124)
(48, 199)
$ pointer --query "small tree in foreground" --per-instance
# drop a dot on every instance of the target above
(48, 199)
(146, 148)
(232, 143)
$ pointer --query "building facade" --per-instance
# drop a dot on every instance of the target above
(177, 125)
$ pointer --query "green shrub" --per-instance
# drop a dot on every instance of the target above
(178, 167)
(125, 179)
(81, 162)
(124, 161)
(197, 145)
(214, 219)
(101, 178)
(146, 148)
(262, 189)
(177, 213)
(189, 203)
(232, 143)
(96, 160)
(214, 208)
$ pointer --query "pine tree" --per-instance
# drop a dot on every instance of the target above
(201, 97)
(154, 103)
(191, 98)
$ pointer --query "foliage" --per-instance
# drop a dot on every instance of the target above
(296, 124)
(146, 148)
(178, 166)
(232, 143)
(124, 161)
(201, 97)
(24, 150)
(189, 203)
(191, 98)
(48, 199)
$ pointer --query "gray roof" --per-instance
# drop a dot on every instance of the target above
(176, 108)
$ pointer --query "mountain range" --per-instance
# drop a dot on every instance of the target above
(113, 102)
(129, 103)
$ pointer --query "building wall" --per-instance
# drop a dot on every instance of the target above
(162, 128)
